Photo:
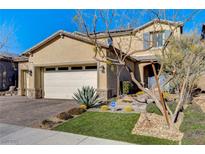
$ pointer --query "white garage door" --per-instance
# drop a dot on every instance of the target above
(62, 85)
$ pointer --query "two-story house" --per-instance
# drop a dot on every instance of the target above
(62, 63)
(147, 40)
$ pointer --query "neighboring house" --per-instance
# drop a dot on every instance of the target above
(62, 63)
(203, 32)
(8, 72)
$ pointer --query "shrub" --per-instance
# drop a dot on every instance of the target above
(87, 96)
(104, 108)
(76, 111)
(127, 100)
(166, 95)
(128, 109)
(82, 106)
(140, 93)
(47, 123)
(126, 87)
(64, 116)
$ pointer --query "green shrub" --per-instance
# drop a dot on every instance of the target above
(128, 108)
(126, 87)
(140, 93)
(87, 96)
(104, 108)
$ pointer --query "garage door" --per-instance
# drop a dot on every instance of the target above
(62, 84)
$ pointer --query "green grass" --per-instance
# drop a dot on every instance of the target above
(152, 108)
(193, 125)
(116, 126)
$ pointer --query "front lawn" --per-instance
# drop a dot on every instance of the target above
(116, 126)
(193, 125)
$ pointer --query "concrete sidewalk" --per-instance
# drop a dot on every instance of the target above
(12, 134)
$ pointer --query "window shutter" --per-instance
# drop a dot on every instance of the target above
(146, 40)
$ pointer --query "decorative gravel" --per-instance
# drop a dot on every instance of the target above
(150, 124)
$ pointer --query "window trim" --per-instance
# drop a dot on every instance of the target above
(78, 68)
(60, 68)
(157, 42)
(94, 67)
(50, 69)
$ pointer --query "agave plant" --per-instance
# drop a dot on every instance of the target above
(87, 96)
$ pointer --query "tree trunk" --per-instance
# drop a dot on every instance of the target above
(118, 82)
(165, 113)
(119, 69)
(182, 97)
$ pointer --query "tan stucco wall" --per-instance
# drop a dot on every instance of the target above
(63, 51)
(137, 39)
(137, 44)
(60, 52)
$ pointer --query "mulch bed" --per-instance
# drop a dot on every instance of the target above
(151, 124)
(54, 121)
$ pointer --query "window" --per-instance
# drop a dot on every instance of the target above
(51, 69)
(62, 68)
(155, 39)
(90, 67)
(76, 68)
(109, 41)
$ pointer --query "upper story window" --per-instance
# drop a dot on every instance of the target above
(155, 39)
(109, 41)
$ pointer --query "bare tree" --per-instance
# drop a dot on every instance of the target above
(122, 48)
(6, 33)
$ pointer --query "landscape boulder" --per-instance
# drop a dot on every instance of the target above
(76, 111)
(64, 116)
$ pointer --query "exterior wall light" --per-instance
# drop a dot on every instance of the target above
(102, 68)
(30, 72)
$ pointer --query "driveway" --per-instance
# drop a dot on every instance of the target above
(24, 111)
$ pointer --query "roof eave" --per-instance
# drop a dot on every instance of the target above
(61, 34)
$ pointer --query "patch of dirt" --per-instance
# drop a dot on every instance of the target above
(150, 124)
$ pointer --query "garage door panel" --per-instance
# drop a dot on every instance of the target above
(62, 85)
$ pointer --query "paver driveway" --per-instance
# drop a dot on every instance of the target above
(23, 111)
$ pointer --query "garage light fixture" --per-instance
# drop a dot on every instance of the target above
(102, 69)
(30, 72)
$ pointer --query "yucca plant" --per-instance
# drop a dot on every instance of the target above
(87, 96)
